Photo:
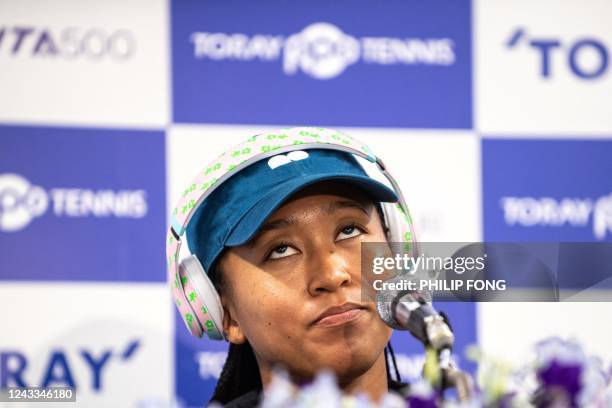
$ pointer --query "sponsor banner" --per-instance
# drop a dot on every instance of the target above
(82, 204)
(451, 176)
(543, 67)
(439, 174)
(407, 64)
(547, 190)
(53, 59)
(113, 353)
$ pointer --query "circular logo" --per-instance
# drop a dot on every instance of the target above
(19, 202)
(321, 50)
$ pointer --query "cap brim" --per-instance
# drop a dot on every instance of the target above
(254, 218)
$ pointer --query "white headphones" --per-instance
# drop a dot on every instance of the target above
(193, 292)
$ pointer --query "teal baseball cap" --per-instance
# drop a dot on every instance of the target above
(234, 212)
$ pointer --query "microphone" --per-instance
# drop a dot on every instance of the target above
(410, 310)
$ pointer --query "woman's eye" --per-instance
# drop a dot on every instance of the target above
(282, 251)
(349, 231)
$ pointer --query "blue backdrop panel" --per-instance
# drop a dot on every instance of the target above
(91, 202)
(547, 190)
(406, 64)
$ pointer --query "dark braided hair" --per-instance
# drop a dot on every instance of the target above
(240, 373)
(239, 376)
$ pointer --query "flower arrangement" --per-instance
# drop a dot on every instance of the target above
(562, 375)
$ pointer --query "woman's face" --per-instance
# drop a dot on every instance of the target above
(305, 260)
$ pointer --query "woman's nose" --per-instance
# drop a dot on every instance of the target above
(329, 270)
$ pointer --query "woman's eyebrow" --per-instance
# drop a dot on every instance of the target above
(336, 205)
(278, 224)
(272, 225)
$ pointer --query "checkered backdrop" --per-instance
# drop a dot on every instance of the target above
(494, 116)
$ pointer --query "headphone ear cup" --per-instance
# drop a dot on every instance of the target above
(203, 300)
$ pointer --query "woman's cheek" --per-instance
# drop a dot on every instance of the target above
(266, 303)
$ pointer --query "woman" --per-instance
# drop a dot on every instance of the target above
(281, 241)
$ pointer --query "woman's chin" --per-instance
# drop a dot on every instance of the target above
(346, 359)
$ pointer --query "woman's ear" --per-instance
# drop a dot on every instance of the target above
(231, 327)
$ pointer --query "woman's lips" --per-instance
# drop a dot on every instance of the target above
(339, 315)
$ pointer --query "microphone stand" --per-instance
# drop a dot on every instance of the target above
(411, 311)
(440, 339)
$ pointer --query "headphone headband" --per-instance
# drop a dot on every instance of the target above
(252, 150)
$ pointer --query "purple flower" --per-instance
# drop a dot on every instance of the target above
(564, 376)
(560, 370)
(422, 395)
(422, 402)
